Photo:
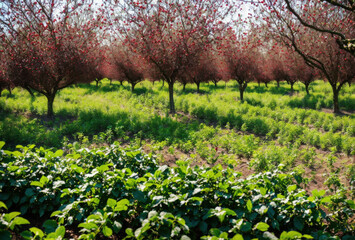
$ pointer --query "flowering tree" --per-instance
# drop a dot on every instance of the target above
(205, 68)
(317, 48)
(49, 43)
(240, 57)
(169, 34)
(127, 66)
(308, 14)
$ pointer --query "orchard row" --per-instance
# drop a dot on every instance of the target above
(46, 46)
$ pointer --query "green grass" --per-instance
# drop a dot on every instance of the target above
(270, 131)
(269, 120)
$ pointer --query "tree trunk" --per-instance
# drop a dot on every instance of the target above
(307, 88)
(110, 81)
(97, 83)
(291, 83)
(9, 89)
(171, 97)
(278, 84)
(266, 85)
(0, 91)
(29, 91)
(163, 84)
(198, 87)
(121, 83)
(50, 101)
(215, 84)
(242, 87)
(133, 85)
(336, 99)
(259, 84)
(184, 86)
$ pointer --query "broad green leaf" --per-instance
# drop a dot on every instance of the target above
(238, 237)
(26, 235)
(318, 193)
(2, 143)
(246, 227)
(60, 232)
(326, 199)
(249, 205)
(263, 191)
(116, 226)
(9, 216)
(261, 226)
(298, 223)
(122, 205)
(107, 231)
(56, 213)
(44, 180)
(37, 232)
(203, 227)
(50, 226)
(3, 205)
(139, 195)
(18, 221)
(16, 154)
(58, 153)
(76, 168)
(291, 235)
(37, 184)
(129, 232)
(351, 204)
(12, 168)
(88, 226)
(29, 192)
(215, 232)
(111, 202)
(308, 236)
(291, 188)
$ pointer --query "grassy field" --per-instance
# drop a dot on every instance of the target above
(270, 128)
(270, 131)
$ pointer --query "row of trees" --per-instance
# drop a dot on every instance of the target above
(46, 45)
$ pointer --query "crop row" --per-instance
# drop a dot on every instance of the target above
(112, 191)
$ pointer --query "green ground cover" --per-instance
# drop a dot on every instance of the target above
(273, 140)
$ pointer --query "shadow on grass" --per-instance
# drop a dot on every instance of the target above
(18, 129)
(114, 87)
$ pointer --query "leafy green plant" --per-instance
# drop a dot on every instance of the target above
(9, 222)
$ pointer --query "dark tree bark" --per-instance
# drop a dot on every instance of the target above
(28, 89)
(291, 83)
(336, 108)
(50, 98)
(266, 85)
(97, 82)
(242, 87)
(171, 97)
(198, 87)
(133, 85)
(307, 87)
(183, 86)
